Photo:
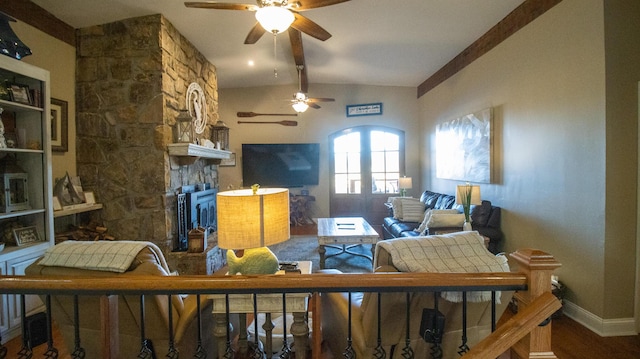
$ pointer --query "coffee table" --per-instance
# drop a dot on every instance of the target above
(345, 233)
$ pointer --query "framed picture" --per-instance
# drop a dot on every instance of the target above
(20, 93)
(89, 198)
(229, 162)
(59, 125)
(26, 235)
(367, 109)
(463, 147)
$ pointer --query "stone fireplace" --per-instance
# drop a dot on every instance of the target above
(132, 77)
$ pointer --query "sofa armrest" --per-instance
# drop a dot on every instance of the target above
(187, 322)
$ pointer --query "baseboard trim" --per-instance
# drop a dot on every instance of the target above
(602, 327)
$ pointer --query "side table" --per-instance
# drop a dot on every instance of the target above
(297, 304)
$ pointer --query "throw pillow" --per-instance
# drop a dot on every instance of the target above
(445, 220)
(396, 205)
(422, 229)
(412, 210)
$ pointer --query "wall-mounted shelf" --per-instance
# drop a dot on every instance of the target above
(77, 209)
(188, 153)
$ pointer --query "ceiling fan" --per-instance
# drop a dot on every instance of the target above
(275, 16)
(301, 102)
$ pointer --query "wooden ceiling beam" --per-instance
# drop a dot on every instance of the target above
(516, 20)
(32, 14)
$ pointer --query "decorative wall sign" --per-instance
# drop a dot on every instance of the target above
(367, 109)
(26, 235)
(59, 125)
(197, 105)
(463, 148)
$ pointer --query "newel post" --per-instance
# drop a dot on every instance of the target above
(538, 267)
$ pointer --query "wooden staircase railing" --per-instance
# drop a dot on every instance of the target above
(521, 333)
(517, 328)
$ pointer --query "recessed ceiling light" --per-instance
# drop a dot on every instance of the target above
(250, 63)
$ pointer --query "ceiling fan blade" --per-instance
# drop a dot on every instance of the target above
(313, 105)
(255, 34)
(309, 27)
(297, 49)
(220, 5)
(295, 37)
(254, 114)
(302, 5)
(320, 99)
(283, 122)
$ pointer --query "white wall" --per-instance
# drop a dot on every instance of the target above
(547, 84)
(400, 110)
(60, 59)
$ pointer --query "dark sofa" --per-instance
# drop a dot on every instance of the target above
(485, 218)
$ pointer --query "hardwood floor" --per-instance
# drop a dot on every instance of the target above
(309, 229)
(570, 341)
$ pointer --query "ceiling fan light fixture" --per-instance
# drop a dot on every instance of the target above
(275, 19)
(300, 96)
(300, 106)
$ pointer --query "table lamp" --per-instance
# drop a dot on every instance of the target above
(404, 183)
(248, 221)
(466, 195)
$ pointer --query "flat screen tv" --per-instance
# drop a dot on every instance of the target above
(280, 164)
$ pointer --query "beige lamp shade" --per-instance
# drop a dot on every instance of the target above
(247, 220)
(467, 191)
(405, 183)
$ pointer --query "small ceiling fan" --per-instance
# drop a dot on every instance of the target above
(275, 16)
(301, 102)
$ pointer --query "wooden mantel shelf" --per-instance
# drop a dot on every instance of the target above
(67, 211)
(189, 153)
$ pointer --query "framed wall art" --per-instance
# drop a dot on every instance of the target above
(59, 125)
(464, 147)
(367, 109)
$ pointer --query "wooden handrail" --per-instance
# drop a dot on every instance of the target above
(516, 328)
(522, 333)
(186, 284)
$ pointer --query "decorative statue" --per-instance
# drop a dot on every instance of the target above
(253, 261)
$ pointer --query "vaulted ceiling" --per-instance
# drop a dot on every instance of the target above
(374, 42)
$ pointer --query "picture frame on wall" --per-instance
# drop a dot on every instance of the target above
(366, 109)
(26, 235)
(464, 150)
(59, 125)
(20, 94)
(229, 162)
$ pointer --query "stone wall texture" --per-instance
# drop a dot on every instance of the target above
(132, 78)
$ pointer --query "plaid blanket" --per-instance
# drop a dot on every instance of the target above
(459, 252)
(112, 256)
